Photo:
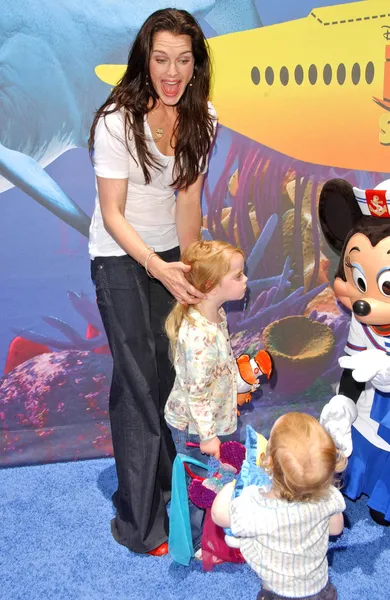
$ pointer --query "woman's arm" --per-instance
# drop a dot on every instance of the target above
(112, 197)
(189, 214)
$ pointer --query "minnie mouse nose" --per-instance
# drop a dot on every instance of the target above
(361, 308)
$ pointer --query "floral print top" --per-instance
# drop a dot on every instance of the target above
(204, 395)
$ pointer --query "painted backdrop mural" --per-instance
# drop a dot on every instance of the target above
(300, 99)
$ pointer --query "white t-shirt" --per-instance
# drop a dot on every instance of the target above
(362, 337)
(150, 209)
(285, 542)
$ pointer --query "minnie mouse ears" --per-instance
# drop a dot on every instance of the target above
(338, 212)
(341, 206)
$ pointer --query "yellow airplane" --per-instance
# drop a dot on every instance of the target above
(316, 89)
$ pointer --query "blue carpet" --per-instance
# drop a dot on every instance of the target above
(55, 543)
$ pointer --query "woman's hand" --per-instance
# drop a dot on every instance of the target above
(172, 277)
(211, 447)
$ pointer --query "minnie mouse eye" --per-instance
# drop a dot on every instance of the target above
(359, 279)
(384, 283)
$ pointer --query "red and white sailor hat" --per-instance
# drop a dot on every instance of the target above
(376, 202)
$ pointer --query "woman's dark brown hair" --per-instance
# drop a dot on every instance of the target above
(194, 127)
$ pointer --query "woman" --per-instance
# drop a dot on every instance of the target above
(150, 139)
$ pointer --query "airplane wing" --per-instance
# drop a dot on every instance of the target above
(280, 11)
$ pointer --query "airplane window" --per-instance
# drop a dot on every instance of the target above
(313, 74)
(341, 73)
(269, 75)
(284, 76)
(370, 72)
(255, 75)
(355, 73)
(298, 73)
(327, 74)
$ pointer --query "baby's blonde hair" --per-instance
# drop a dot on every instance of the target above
(210, 262)
(303, 458)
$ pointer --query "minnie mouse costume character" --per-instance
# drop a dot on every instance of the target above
(356, 223)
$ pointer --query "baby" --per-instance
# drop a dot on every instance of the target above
(284, 532)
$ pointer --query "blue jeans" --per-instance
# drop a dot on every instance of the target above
(133, 308)
(180, 439)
